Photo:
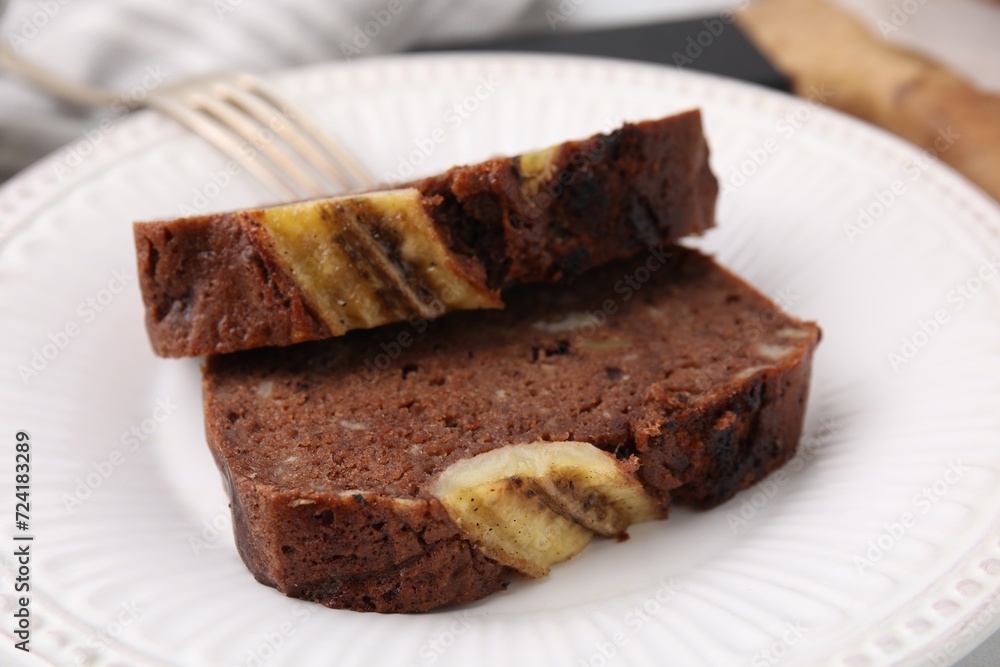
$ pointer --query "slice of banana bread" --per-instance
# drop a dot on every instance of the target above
(428, 463)
(313, 270)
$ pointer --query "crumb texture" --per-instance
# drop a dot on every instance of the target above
(331, 449)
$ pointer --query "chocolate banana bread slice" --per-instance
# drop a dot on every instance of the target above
(428, 463)
(317, 269)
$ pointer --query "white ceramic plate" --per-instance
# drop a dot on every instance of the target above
(879, 545)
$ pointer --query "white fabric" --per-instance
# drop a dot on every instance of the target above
(113, 42)
(116, 43)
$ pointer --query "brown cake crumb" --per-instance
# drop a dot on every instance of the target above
(680, 370)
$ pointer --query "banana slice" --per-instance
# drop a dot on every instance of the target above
(369, 259)
(534, 505)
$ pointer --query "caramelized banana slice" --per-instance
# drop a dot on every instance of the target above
(533, 505)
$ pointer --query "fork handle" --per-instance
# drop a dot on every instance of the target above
(56, 85)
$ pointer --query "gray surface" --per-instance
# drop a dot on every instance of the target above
(986, 655)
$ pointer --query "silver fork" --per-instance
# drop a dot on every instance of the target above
(241, 115)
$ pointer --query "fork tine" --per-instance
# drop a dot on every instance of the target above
(245, 126)
(308, 148)
(337, 154)
(224, 140)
